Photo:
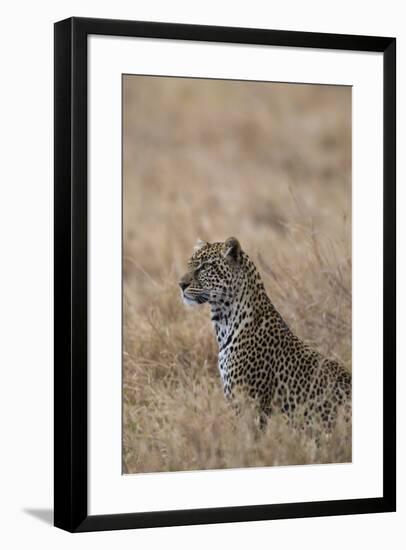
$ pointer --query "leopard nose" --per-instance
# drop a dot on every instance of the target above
(183, 284)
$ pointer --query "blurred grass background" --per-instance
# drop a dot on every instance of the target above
(270, 164)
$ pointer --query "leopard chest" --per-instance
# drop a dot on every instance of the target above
(253, 356)
(239, 336)
(231, 360)
(226, 370)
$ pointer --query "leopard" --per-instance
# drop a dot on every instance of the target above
(258, 354)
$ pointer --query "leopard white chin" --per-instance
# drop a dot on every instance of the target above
(188, 301)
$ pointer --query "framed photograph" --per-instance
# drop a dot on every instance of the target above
(224, 274)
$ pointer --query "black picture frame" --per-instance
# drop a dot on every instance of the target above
(70, 331)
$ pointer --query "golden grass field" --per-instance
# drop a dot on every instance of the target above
(271, 165)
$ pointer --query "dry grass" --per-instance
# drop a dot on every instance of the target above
(271, 165)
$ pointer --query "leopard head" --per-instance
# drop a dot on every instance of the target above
(213, 272)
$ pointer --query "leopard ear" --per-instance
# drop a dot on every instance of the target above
(232, 249)
(199, 244)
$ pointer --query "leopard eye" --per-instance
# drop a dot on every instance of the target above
(204, 266)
